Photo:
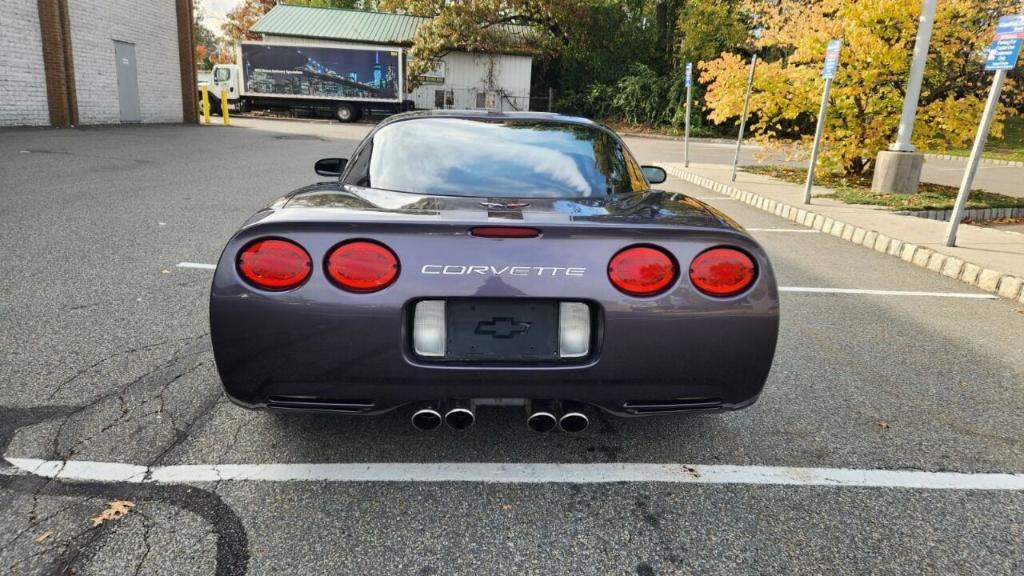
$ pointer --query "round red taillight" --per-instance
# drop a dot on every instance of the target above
(274, 264)
(642, 270)
(362, 266)
(722, 272)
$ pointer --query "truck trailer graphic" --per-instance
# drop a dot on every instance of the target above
(316, 72)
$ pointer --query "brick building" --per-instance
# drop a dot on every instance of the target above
(71, 62)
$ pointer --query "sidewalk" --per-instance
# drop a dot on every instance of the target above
(992, 260)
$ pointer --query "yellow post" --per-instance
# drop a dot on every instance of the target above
(224, 106)
(206, 104)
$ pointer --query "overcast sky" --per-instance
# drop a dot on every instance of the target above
(215, 11)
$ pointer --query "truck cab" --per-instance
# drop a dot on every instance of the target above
(223, 77)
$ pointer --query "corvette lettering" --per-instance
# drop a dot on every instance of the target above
(459, 270)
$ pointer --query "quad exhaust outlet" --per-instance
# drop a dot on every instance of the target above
(461, 416)
(573, 420)
(426, 419)
(542, 417)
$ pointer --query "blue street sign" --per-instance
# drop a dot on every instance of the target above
(832, 59)
(689, 74)
(1010, 27)
(1003, 52)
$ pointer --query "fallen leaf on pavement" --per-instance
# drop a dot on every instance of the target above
(506, 507)
(115, 510)
(165, 271)
(883, 424)
(42, 537)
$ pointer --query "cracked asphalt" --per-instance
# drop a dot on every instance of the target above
(104, 356)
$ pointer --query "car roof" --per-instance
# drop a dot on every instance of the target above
(491, 115)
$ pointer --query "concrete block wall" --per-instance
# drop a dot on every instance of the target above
(151, 26)
(22, 76)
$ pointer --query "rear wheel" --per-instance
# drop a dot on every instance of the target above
(346, 113)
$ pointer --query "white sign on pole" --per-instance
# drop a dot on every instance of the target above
(828, 72)
(689, 100)
(1001, 57)
(831, 59)
(743, 118)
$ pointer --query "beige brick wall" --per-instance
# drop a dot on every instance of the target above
(22, 76)
(151, 26)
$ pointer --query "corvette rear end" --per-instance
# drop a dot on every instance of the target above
(359, 300)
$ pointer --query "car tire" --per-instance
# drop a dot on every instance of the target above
(346, 113)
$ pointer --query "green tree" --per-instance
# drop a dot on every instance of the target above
(206, 40)
(867, 94)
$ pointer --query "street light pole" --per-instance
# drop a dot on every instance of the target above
(898, 169)
(917, 66)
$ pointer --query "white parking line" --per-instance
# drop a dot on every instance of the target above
(814, 290)
(196, 265)
(526, 473)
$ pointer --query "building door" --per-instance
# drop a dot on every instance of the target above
(127, 81)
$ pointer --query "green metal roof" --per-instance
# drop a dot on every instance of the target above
(349, 25)
(337, 24)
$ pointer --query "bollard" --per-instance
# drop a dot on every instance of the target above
(224, 106)
(206, 104)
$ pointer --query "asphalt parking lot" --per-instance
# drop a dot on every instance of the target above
(105, 359)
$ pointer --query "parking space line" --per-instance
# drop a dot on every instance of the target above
(511, 473)
(196, 265)
(815, 290)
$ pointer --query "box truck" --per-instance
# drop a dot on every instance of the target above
(341, 80)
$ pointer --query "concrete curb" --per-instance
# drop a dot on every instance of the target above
(987, 161)
(977, 214)
(1005, 285)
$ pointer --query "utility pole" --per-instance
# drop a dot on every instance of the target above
(898, 169)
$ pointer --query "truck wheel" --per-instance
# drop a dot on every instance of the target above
(346, 113)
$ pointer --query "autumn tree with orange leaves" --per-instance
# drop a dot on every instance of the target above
(867, 94)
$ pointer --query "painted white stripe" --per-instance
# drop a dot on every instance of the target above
(815, 290)
(196, 265)
(793, 230)
(527, 473)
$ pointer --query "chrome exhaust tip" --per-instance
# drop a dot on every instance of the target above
(426, 419)
(541, 421)
(542, 415)
(459, 418)
(573, 422)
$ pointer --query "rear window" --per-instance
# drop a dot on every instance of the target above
(498, 159)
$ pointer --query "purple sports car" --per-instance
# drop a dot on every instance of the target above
(462, 258)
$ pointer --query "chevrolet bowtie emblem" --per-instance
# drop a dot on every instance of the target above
(502, 327)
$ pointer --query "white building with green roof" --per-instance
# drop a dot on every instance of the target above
(459, 79)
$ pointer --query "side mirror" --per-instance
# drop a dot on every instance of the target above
(654, 174)
(330, 166)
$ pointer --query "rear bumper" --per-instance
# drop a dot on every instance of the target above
(319, 348)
